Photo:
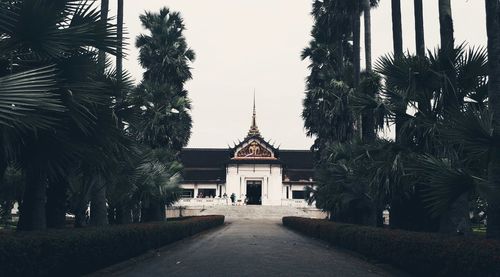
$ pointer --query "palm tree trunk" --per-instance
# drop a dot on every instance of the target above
(3, 167)
(98, 209)
(367, 120)
(356, 44)
(104, 20)
(112, 214)
(119, 56)
(424, 105)
(56, 203)
(81, 215)
(397, 40)
(447, 48)
(456, 219)
(340, 53)
(368, 34)
(397, 32)
(32, 210)
(493, 27)
(136, 213)
(451, 102)
(163, 211)
(356, 58)
(123, 215)
(419, 28)
(493, 214)
(446, 25)
(7, 205)
(155, 211)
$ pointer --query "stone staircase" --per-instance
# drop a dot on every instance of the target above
(258, 212)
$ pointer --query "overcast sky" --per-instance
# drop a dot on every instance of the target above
(242, 45)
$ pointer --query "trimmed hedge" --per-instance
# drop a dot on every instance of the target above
(423, 254)
(80, 251)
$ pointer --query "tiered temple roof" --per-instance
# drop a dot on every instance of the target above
(202, 165)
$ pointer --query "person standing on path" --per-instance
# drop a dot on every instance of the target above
(233, 198)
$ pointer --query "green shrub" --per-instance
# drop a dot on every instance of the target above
(423, 254)
(78, 251)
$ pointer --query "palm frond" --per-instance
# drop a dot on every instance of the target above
(471, 129)
(27, 99)
(52, 29)
(441, 183)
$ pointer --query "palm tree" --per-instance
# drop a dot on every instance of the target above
(397, 32)
(163, 103)
(368, 35)
(69, 88)
(104, 18)
(448, 46)
(419, 28)
(331, 119)
(397, 39)
(119, 56)
(413, 79)
(446, 26)
(330, 79)
(452, 101)
(165, 42)
(440, 151)
(356, 42)
(98, 192)
(493, 29)
(367, 121)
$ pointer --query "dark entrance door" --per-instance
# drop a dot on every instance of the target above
(254, 192)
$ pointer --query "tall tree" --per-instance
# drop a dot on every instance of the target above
(368, 34)
(99, 216)
(331, 74)
(419, 28)
(163, 101)
(356, 33)
(104, 16)
(367, 120)
(397, 31)
(119, 31)
(98, 208)
(397, 40)
(447, 47)
(56, 202)
(164, 54)
(452, 103)
(493, 30)
(446, 25)
(47, 41)
(424, 103)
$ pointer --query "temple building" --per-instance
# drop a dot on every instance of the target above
(256, 172)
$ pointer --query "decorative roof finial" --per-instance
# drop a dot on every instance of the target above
(254, 130)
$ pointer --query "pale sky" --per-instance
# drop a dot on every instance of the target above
(242, 45)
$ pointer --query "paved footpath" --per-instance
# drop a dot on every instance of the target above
(249, 248)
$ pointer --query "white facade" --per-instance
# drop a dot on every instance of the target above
(269, 175)
(256, 173)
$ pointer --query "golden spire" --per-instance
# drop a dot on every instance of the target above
(254, 130)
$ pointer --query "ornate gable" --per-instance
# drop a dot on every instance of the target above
(254, 149)
(254, 146)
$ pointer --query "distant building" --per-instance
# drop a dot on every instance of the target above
(255, 171)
